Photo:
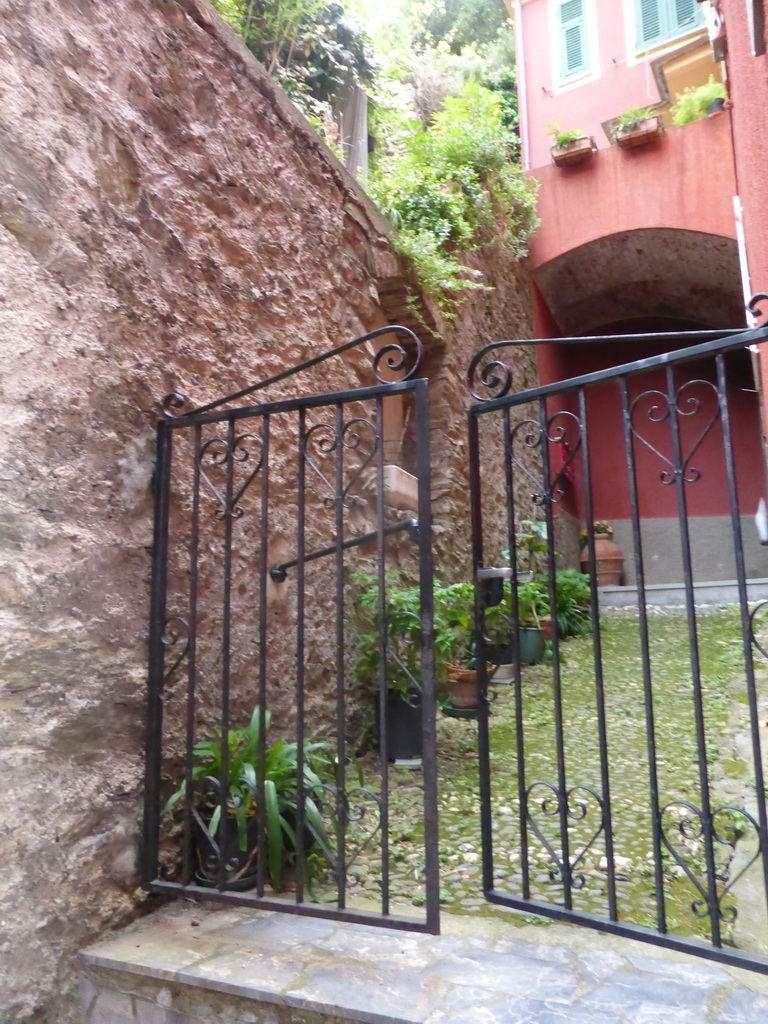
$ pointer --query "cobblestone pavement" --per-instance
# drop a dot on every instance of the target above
(286, 968)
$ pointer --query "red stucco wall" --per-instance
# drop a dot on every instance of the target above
(619, 82)
(686, 180)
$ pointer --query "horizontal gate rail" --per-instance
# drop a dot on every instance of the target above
(573, 816)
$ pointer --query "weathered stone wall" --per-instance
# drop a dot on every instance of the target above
(167, 221)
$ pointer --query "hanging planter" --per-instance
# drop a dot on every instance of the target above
(577, 152)
(637, 128)
(570, 146)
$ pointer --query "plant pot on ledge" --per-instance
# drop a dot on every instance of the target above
(609, 561)
(640, 133)
(573, 153)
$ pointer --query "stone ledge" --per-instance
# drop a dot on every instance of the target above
(200, 966)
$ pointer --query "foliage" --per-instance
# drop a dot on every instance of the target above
(601, 526)
(531, 540)
(456, 23)
(453, 629)
(451, 180)
(313, 47)
(630, 119)
(572, 590)
(280, 774)
(563, 136)
(693, 103)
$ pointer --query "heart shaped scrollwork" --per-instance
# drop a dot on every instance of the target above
(661, 409)
(579, 805)
(684, 832)
(219, 454)
(325, 439)
(344, 824)
(563, 438)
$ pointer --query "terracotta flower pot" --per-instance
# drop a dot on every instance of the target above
(462, 686)
(609, 561)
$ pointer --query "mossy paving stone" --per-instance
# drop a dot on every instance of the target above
(720, 649)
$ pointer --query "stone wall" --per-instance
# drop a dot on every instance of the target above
(167, 221)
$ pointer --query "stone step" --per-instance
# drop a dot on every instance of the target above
(198, 965)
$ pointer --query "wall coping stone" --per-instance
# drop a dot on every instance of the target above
(479, 968)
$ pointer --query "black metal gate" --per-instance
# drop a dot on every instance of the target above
(628, 818)
(263, 514)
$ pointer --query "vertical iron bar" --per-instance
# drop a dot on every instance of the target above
(746, 625)
(186, 871)
(428, 710)
(556, 682)
(341, 817)
(383, 630)
(300, 624)
(263, 570)
(701, 739)
(598, 658)
(645, 648)
(483, 734)
(515, 633)
(154, 752)
(226, 626)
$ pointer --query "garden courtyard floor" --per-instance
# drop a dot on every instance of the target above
(729, 769)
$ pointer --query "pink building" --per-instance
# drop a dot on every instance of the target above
(641, 240)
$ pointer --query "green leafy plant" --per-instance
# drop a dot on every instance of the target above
(449, 182)
(241, 786)
(563, 137)
(631, 119)
(693, 103)
(572, 590)
(532, 545)
(453, 629)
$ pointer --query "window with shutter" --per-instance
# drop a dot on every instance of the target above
(659, 21)
(574, 58)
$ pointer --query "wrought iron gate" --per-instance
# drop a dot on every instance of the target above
(262, 513)
(670, 867)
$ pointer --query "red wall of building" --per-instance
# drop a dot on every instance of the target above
(621, 83)
(748, 91)
(684, 181)
(610, 481)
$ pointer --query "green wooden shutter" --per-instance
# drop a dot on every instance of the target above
(660, 20)
(688, 14)
(650, 25)
(574, 57)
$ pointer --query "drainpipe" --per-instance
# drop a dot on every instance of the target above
(522, 96)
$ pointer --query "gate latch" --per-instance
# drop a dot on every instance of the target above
(490, 583)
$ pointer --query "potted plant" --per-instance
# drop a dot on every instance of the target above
(231, 839)
(403, 669)
(609, 560)
(637, 127)
(698, 102)
(570, 146)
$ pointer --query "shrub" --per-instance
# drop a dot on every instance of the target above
(450, 181)
(693, 103)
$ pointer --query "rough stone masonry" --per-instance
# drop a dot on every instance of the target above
(167, 221)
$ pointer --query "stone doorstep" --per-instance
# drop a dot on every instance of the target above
(196, 965)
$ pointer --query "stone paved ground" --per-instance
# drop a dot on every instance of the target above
(187, 964)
